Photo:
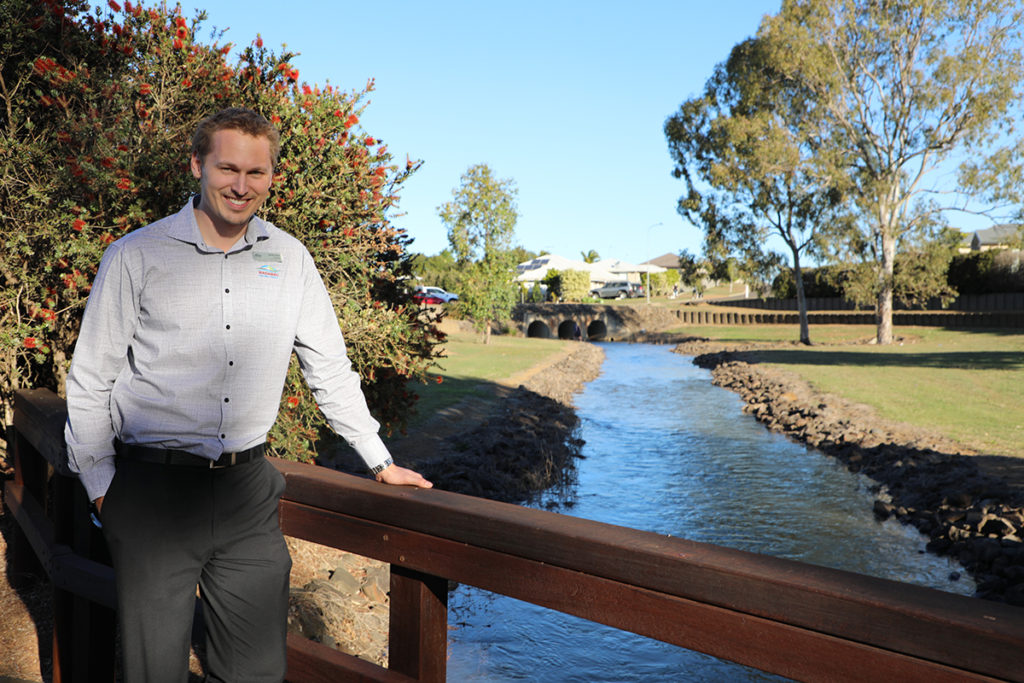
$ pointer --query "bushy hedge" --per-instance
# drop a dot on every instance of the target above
(96, 114)
(985, 272)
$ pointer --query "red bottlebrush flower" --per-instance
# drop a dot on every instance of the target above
(124, 184)
(145, 89)
(371, 141)
(107, 238)
(306, 90)
(78, 225)
(293, 401)
(114, 6)
(30, 342)
(226, 49)
(181, 32)
(177, 45)
(186, 82)
(338, 113)
(180, 22)
(293, 75)
(440, 379)
(351, 120)
(46, 314)
(275, 118)
(43, 65)
(259, 41)
(284, 66)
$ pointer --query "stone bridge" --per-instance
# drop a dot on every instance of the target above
(596, 322)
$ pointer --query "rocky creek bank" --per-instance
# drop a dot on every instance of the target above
(525, 444)
(971, 506)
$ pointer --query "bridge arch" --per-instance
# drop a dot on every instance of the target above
(539, 329)
(567, 329)
(597, 330)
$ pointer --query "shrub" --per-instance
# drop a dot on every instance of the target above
(96, 118)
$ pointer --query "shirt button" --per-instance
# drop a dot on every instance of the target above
(227, 327)
(227, 291)
(227, 400)
(230, 363)
(223, 436)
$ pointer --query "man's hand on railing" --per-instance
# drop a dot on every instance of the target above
(400, 476)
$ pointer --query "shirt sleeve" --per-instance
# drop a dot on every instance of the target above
(320, 348)
(108, 325)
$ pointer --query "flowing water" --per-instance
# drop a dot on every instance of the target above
(668, 452)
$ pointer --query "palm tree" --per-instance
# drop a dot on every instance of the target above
(590, 256)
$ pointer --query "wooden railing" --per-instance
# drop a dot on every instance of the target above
(801, 621)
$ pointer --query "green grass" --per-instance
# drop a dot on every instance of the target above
(472, 368)
(965, 384)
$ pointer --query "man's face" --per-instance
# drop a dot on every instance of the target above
(234, 178)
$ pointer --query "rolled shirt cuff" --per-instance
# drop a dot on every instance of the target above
(97, 478)
(371, 449)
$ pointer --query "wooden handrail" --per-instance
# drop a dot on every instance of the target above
(801, 621)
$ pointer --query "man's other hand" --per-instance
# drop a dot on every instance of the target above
(400, 476)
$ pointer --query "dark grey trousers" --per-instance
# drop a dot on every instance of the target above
(171, 528)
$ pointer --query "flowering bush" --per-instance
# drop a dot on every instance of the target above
(97, 112)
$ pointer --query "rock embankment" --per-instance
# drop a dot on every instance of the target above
(969, 505)
(526, 444)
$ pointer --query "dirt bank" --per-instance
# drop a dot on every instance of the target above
(968, 504)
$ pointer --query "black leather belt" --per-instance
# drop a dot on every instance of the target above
(166, 456)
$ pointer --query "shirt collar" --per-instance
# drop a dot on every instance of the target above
(185, 228)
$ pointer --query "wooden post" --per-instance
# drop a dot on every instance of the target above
(418, 625)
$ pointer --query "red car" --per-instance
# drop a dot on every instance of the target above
(421, 297)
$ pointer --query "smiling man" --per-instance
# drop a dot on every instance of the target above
(175, 383)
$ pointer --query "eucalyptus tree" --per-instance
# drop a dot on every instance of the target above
(913, 88)
(756, 163)
(481, 219)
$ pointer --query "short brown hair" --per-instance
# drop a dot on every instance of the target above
(235, 118)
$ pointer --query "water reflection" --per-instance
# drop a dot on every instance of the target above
(668, 452)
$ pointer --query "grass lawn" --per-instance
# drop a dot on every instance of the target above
(472, 368)
(966, 384)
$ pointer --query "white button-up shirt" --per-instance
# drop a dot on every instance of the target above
(184, 346)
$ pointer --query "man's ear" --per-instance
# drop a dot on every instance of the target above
(197, 167)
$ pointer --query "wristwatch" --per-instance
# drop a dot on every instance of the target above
(377, 469)
(94, 515)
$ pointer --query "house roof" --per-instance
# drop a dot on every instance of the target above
(997, 234)
(665, 261)
(534, 270)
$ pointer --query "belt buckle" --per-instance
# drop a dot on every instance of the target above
(231, 463)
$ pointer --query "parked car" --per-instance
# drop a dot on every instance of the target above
(619, 289)
(425, 298)
(435, 292)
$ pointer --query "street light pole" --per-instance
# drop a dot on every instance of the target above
(647, 246)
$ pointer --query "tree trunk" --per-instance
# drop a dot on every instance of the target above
(883, 306)
(801, 300)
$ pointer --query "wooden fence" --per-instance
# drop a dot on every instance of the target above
(801, 621)
(952, 319)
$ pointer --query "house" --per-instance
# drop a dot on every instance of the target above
(1001, 236)
(533, 271)
(666, 261)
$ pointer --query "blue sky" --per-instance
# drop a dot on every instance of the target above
(568, 99)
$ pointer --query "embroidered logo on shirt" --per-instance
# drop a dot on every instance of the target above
(267, 270)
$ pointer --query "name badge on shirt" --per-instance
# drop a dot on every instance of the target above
(266, 261)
